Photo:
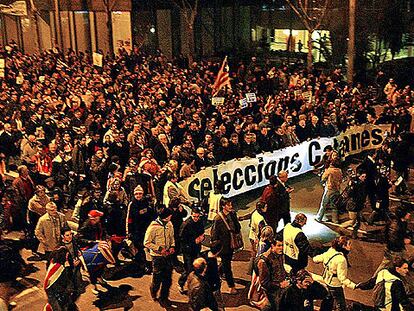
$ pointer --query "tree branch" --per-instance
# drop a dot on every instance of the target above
(299, 14)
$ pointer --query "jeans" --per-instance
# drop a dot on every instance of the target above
(161, 277)
(329, 198)
(225, 268)
(339, 302)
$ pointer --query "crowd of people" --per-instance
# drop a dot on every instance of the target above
(100, 151)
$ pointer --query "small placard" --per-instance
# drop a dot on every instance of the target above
(216, 101)
(97, 59)
(243, 103)
(251, 97)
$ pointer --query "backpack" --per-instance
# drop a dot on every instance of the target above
(378, 294)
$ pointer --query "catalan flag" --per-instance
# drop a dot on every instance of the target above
(223, 78)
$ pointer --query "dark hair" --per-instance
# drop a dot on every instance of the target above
(260, 205)
(301, 275)
(340, 242)
(64, 230)
(327, 148)
(277, 238)
(224, 201)
(398, 262)
(174, 203)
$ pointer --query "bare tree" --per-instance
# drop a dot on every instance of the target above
(109, 5)
(311, 13)
(189, 10)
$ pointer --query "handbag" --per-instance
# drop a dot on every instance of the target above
(236, 239)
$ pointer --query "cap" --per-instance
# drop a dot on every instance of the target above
(95, 213)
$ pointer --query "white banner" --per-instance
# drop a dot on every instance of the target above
(359, 138)
(246, 174)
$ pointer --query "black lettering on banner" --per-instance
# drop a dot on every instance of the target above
(296, 165)
(205, 187)
(226, 179)
(215, 176)
(270, 169)
(345, 145)
(283, 164)
(249, 175)
(193, 188)
(238, 182)
(259, 170)
(377, 137)
(365, 138)
(314, 159)
(355, 141)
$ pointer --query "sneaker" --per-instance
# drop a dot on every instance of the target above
(233, 291)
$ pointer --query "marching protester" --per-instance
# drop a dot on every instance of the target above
(140, 213)
(397, 236)
(48, 229)
(191, 236)
(392, 291)
(75, 262)
(300, 295)
(296, 247)
(257, 223)
(335, 262)
(355, 195)
(223, 234)
(272, 275)
(200, 293)
(332, 176)
(111, 142)
(58, 282)
(159, 239)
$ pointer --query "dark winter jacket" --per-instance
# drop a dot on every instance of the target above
(199, 293)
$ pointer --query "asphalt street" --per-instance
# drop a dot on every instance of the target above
(132, 293)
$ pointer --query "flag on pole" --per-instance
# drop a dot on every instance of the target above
(223, 78)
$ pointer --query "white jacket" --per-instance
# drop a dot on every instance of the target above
(335, 268)
(159, 236)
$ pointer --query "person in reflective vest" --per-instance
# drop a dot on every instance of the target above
(296, 246)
